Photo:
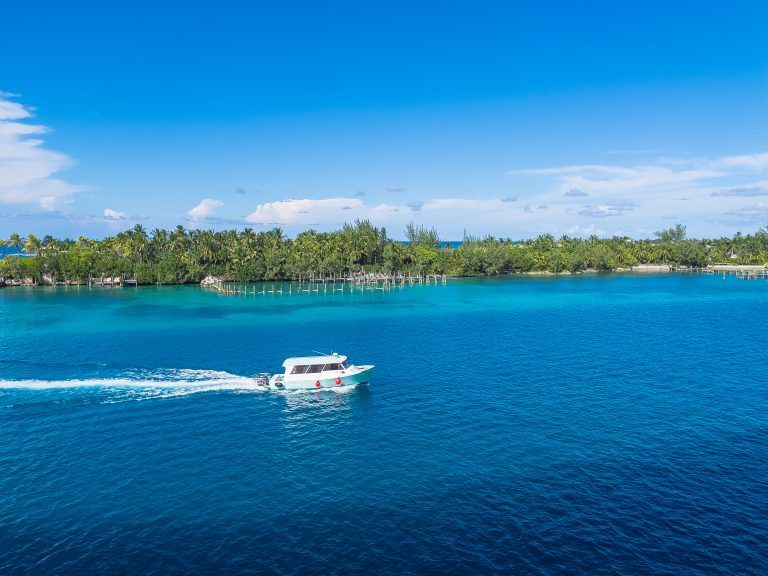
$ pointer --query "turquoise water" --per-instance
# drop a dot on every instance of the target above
(590, 424)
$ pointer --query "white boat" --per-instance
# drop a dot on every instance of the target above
(317, 372)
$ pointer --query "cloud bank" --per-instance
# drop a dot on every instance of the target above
(306, 211)
(28, 169)
(697, 191)
(581, 199)
(744, 191)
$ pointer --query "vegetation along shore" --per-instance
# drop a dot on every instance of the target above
(180, 256)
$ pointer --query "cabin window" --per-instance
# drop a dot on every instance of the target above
(331, 367)
(344, 365)
(299, 369)
(315, 368)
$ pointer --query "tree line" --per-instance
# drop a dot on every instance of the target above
(180, 255)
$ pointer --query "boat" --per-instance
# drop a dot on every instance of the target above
(317, 372)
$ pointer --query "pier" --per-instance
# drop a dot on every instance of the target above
(120, 280)
(325, 284)
(741, 271)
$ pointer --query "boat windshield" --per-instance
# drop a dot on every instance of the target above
(317, 368)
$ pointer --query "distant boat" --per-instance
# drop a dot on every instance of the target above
(317, 372)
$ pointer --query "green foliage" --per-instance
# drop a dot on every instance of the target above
(10, 268)
(674, 234)
(421, 236)
(690, 253)
(180, 255)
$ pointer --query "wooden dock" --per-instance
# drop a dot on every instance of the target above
(114, 281)
(741, 271)
(322, 284)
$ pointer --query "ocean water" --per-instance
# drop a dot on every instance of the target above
(559, 425)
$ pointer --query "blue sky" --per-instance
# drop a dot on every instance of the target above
(503, 118)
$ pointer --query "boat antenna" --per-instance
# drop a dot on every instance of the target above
(321, 353)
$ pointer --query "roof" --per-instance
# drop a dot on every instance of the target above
(331, 359)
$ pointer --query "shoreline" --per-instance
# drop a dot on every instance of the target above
(641, 269)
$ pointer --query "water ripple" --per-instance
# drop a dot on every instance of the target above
(568, 426)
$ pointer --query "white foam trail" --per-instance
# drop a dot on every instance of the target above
(173, 382)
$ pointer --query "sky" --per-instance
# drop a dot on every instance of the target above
(510, 119)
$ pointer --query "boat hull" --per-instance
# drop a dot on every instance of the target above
(351, 377)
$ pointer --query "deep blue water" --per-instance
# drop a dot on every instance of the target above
(573, 425)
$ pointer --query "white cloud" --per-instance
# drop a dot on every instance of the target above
(757, 161)
(27, 168)
(570, 169)
(451, 216)
(12, 110)
(747, 215)
(114, 215)
(666, 174)
(48, 203)
(307, 211)
(205, 209)
(641, 178)
(590, 230)
(464, 204)
(756, 189)
(608, 209)
(698, 191)
(383, 211)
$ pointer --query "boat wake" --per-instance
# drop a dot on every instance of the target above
(133, 385)
(144, 384)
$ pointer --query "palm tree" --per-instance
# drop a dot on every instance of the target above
(158, 243)
(32, 245)
(274, 253)
(178, 242)
(15, 241)
(205, 246)
(139, 242)
(664, 252)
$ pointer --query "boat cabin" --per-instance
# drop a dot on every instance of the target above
(315, 364)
